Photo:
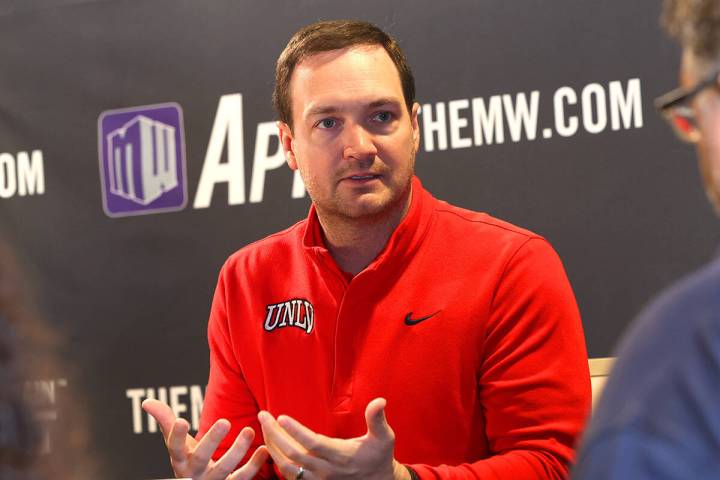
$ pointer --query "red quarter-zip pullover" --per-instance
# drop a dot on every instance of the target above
(467, 325)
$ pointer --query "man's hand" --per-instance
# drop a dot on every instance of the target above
(192, 459)
(294, 446)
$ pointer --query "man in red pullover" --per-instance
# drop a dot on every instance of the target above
(384, 307)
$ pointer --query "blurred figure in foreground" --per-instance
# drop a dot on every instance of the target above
(659, 416)
(27, 353)
(19, 436)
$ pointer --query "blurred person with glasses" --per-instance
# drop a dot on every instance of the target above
(659, 415)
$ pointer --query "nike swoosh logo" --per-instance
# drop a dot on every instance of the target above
(414, 321)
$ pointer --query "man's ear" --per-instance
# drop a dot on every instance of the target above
(286, 142)
(415, 125)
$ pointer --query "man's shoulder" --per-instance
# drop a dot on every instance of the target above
(683, 307)
(655, 397)
(699, 289)
(271, 248)
(665, 350)
(475, 224)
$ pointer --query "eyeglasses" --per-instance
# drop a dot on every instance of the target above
(676, 107)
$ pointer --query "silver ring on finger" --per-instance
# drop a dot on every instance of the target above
(300, 473)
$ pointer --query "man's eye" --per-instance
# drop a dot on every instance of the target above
(327, 123)
(383, 117)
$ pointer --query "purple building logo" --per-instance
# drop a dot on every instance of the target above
(142, 160)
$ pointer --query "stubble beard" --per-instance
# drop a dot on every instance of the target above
(380, 208)
(369, 212)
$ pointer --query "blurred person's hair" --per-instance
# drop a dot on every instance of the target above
(29, 352)
(696, 25)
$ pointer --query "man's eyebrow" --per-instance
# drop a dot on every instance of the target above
(384, 101)
(325, 109)
(321, 110)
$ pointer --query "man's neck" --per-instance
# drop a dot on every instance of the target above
(355, 243)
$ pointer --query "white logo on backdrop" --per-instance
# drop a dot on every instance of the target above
(148, 146)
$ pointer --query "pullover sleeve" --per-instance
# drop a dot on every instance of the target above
(534, 382)
(227, 395)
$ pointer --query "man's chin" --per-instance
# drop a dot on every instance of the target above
(370, 206)
(713, 195)
(711, 183)
(366, 211)
(367, 207)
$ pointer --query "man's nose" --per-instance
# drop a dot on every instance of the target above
(358, 143)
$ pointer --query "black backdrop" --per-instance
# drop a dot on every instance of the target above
(618, 199)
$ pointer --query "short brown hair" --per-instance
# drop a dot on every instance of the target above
(696, 24)
(334, 35)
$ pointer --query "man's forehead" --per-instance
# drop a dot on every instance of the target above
(687, 72)
(358, 74)
(693, 69)
(318, 60)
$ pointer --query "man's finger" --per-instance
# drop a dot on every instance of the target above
(284, 465)
(376, 421)
(276, 438)
(253, 466)
(177, 442)
(318, 445)
(207, 445)
(225, 464)
(162, 413)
